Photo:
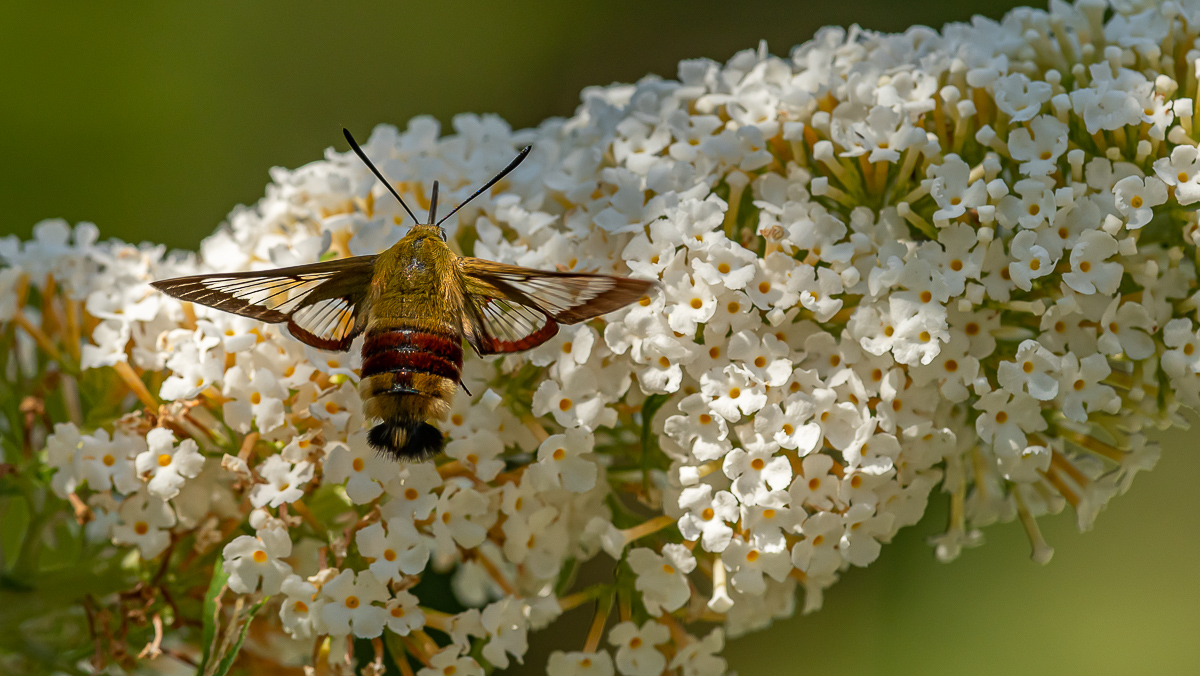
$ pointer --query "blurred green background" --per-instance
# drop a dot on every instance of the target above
(154, 119)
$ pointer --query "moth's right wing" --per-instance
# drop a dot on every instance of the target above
(324, 304)
(512, 309)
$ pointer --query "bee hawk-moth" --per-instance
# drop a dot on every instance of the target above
(417, 303)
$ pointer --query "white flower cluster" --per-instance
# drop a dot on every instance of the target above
(889, 263)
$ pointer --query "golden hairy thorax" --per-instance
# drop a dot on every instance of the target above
(417, 280)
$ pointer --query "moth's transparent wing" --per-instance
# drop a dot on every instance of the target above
(510, 308)
(322, 303)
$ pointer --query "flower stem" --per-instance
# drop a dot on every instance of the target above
(38, 336)
(135, 383)
(1041, 551)
(71, 309)
(648, 528)
(737, 182)
(579, 598)
(495, 573)
(414, 647)
(596, 631)
(436, 619)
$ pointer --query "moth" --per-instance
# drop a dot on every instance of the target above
(417, 302)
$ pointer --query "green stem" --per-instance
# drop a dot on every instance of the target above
(26, 564)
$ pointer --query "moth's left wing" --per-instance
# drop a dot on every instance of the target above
(322, 303)
(510, 308)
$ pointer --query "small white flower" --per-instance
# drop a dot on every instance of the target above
(757, 471)
(1024, 467)
(702, 658)
(953, 191)
(734, 392)
(257, 399)
(690, 301)
(817, 487)
(300, 610)
(479, 453)
(1033, 368)
(507, 629)
(110, 464)
(1031, 260)
(765, 357)
(662, 578)
(1005, 419)
(1125, 329)
(1039, 146)
(537, 542)
(360, 467)
(110, 337)
(463, 515)
(636, 651)
(579, 664)
(62, 450)
(789, 426)
(727, 264)
(194, 363)
(770, 287)
(749, 565)
(449, 661)
(573, 343)
(350, 604)
(398, 552)
(698, 430)
(413, 492)
(1108, 103)
(338, 408)
(561, 455)
(167, 465)
(1089, 272)
(1034, 206)
(862, 531)
(1136, 199)
(573, 403)
(251, 561)
(144, 521)
(285, 482)
(1019, 97)
(404, 615)
(707, 516)
(734, 312)
(663, 356)
(817, 554)
(1181, 171)
(768, 518)
(1183, 357)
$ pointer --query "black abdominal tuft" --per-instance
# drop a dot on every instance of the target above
(406, 442)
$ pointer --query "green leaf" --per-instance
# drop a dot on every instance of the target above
(227, 660)
(328, 502)
(216, 587)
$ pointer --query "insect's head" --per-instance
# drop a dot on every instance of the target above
(433, 220)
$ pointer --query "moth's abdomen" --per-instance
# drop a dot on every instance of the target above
(409, 375)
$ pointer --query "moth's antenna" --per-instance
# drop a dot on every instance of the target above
(511, 165)
(363, 156)
(433, 203)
